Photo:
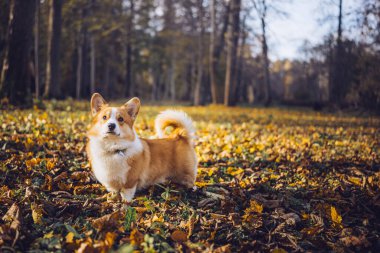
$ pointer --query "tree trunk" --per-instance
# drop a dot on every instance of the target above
(213, 60)
(52, 88)
(240, 90)
(79, 69)
(267, 84)
(107, 79)
(172, 79)
(219, 48)
(16, 72)
(337, 91)
(198, 84)
(193, 74)
(155, 83)
(92, 64)
(128, 67)
(36, 51)
(232, 39)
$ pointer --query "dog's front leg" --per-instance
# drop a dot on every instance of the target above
(128, 193)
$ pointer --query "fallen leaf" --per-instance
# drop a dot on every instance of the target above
(48, 183)
(278, 250)
(12, 216)
(158, 218)
(49, 235)
(179, 236)
(234, 171)
(136, 237)
(69, 237)
(110, 238)
(37, 213)
(255, 207)
(335, 217)
(108, 221)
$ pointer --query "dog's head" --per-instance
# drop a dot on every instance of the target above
(113, 122)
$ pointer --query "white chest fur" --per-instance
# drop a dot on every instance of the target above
(110, 166)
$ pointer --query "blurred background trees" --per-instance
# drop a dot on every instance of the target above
(195, 51)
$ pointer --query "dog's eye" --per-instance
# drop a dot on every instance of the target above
(104, 117)
(120, 119)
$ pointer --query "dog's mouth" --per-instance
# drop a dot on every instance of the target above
(112, 133)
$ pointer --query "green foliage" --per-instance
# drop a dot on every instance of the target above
(130, 217)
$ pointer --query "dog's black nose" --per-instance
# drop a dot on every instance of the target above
(111, 126)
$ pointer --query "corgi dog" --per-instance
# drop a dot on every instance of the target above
(123, 162)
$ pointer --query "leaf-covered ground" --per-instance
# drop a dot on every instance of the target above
(269, 180)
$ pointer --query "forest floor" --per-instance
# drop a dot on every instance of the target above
(273, 179)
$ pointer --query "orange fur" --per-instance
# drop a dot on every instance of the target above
(123, 162)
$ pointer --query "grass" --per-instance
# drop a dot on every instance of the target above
(268, 180)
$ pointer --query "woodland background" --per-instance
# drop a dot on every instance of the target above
(195, 51)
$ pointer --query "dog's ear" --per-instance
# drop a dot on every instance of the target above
(133, 107)
(97, 101)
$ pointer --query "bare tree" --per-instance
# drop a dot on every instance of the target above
(78, 85)
(52, 88)
(128, 64)
(17, 68)
(261, 8)
(337, 89)
(92, 55)
(216, 47)
(36, 51)
(243, 37)
(198, 83)
(232, 44)
(214, 94)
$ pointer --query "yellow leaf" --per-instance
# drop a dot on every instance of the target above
(29, 143)
(254, 207)
(260, 147)
(355, 181)
(49, 235)
(202, 184)
(234, 171)
(335, 217)
(305, 141)
(278, 250)
(36, 213)
(157, 219)
(50, 165)
(110, 238)
(274, 176)
(304, 216)
(238, 150)
(32, 162)
(70, 237)
(136, 237)
(244, 183)
(210, 171)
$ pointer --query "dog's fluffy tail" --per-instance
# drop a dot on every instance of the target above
(180, 121)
